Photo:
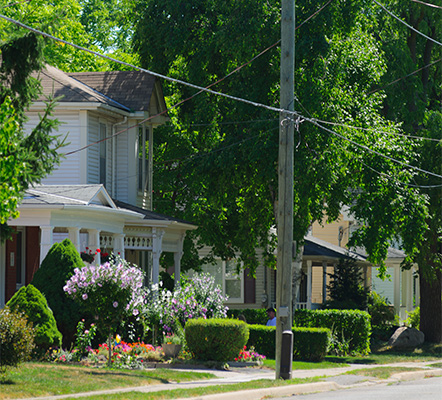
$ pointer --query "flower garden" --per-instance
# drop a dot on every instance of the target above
(125, 324)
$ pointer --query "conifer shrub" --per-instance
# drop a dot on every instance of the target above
(16, 339)
(55, 270)
(216, 339)
(31, 302)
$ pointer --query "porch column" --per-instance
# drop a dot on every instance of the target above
(397, 289)
(407, 289)
(94, 244)
(177, 261)
(324, 282)
(417, 292)
(119, 244)
(157, 243)
(74, 237)
(46, 240)
(309, 285)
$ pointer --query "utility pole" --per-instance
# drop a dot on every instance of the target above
(285, 176)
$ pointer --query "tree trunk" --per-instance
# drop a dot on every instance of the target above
(431, 307)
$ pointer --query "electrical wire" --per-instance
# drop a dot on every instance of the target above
(407, 25)
(314, 122)
(427, 4)
(202, 89)
(374, 129)
(406, 76)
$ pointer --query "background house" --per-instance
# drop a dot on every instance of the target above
(100, 195)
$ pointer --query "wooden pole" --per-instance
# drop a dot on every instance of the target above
(285, 185)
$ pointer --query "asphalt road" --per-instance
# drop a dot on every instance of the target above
(424, 389)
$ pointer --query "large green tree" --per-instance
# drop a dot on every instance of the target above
(413, 87)
(24, 158)
(217, 161)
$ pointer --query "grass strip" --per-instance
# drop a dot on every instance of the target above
(380, 372)
(202, 391)
(44, 379)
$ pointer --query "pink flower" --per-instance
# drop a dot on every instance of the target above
(84, 296)
(115, 304)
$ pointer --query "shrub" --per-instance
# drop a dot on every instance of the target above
(310, 344)
(197, 297)
(413, 319)
(57, 267)
(262, 338)
(29, 301)
(16, 339)
(347, 326)
(381, 312)
(254, 316)
(111, 292)
(216, 339)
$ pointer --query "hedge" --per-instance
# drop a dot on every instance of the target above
(216, 339)
(252, 315)
(308, 343)
(351, 329)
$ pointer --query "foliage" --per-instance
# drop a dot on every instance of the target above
(83, 339)
(381, 311)
(310, 344)
(216, 339)
(29, 301)
(111, 292)
(351, 326)
(16, 339)
(57, 267)
(196, 297)
(262, 338)
(346, 289)
(413, 319)
(25, 158)
(252, 315)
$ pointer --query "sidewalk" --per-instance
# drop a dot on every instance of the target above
(332, 380)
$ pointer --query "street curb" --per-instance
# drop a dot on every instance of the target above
(413, 375)
(254, 394)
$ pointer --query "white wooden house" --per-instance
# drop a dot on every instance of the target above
(100, 195)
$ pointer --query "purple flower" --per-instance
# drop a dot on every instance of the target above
(115, 304)
(84, 296)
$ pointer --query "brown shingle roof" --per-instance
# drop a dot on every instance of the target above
(132, 88)
(127, 90)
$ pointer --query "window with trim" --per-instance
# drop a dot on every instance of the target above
(103, 154)
(143, 166)
(227, 276)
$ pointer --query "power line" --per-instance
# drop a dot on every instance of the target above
(374, 129)
(409, 26)
(202, 89)
(406, 76)
(314, 122)
(427, 4)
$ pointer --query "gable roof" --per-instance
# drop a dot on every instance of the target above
(130, 91)
(317, 247)
(134, 89)
(67, 195)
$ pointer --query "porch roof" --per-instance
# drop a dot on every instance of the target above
(315, 247)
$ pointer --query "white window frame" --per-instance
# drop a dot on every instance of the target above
(142, 159)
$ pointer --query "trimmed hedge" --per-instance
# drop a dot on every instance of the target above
(310, 344)
(349, 327)
(31, 302)
(216, 339)
(262, 338)
(252, 315)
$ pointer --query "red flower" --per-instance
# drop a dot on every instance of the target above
(98, 250)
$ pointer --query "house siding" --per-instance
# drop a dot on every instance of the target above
(68, 172)
(122, 166)
(93, 156)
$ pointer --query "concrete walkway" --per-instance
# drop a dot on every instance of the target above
(332, 379)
